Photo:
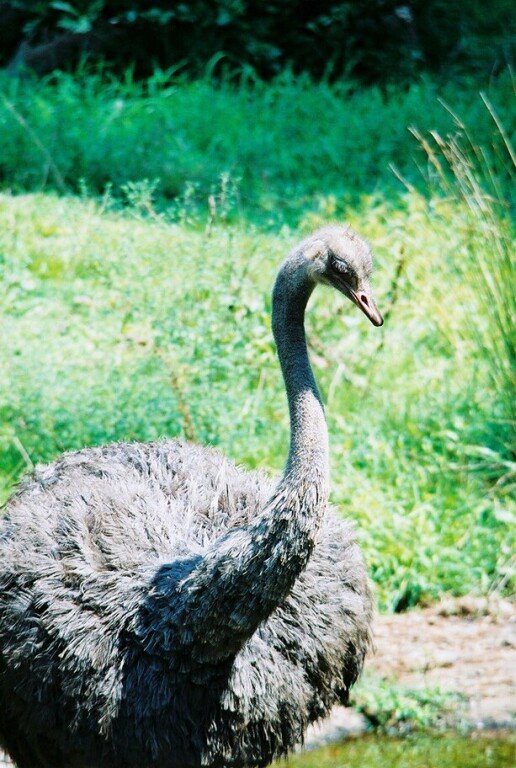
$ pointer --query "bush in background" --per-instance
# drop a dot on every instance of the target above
(370, 40)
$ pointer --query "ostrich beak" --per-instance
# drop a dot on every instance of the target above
(364, 299)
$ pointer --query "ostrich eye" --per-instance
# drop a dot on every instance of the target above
(340, 266)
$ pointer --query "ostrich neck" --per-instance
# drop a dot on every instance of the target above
(308, 454)
(225, 594)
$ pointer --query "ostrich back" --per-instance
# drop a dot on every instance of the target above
(81, 546)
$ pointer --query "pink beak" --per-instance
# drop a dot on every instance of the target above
(364, 300)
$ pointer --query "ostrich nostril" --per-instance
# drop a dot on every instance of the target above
(363, 299)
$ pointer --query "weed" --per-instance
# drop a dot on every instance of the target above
(390, 708)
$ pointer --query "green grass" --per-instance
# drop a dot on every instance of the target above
(417, 751)
(140, 307)
(288, 145)
(128, 327)
(391, 708)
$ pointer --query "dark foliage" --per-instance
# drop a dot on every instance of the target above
(372, 40)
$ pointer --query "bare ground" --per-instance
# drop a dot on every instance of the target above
(466, 646)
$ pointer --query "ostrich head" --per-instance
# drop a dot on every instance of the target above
(337, 256)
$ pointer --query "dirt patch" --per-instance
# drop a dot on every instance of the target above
(466, 646)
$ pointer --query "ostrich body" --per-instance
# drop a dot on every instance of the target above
(162, 608)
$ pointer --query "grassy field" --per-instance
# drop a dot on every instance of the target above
(284, 147)
(136, 314)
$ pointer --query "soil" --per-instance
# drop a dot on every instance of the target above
(465, 646)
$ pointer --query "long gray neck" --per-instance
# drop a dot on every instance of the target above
(308, 454)
(244, 575)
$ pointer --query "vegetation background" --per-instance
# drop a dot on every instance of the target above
(158, 159)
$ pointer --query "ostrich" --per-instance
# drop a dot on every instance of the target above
(162, 608)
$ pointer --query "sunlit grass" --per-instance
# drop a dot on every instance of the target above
(140, 308)
(124, 327)
(417, 751)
